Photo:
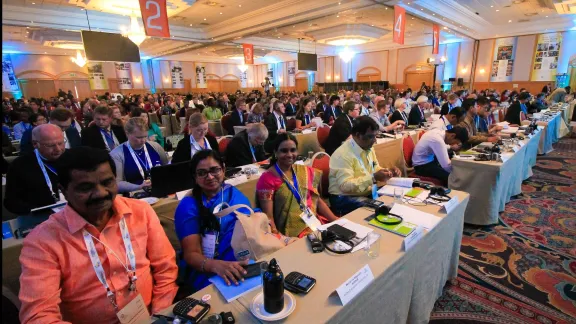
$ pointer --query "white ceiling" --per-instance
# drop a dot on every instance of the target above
(202, 29)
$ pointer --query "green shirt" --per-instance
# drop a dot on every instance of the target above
(212, 113)
(155, 130)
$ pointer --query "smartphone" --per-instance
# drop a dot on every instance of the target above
(6, 231)
(253, 270)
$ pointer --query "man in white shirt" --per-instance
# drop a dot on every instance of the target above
(453, 118)
(431, 158)
(365, 107)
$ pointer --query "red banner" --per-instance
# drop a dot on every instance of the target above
(435, 38)
(155, 18)
(399, 25)
(248, 53)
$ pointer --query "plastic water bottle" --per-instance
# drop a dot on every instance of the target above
(273, 283)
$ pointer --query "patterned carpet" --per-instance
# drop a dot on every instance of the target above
(522, 270)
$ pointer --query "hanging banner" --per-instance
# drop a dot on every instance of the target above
(124, 75)
(96, 75)
(399, 25)
(177, 75)
(503, 59)
(270, 73)
(435, 38)
(9, 82)
(244, 79)
(248, 53)
(155, 18)
(292, 74)
(546, 57)
(201, 76)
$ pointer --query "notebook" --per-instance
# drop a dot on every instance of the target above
(403, 229)
(232, 292)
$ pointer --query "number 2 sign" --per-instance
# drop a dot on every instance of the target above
(155, 18)
(399, 25)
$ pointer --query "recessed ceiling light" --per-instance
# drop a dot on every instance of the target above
(413, 18)
(433, 14)
(491, 6)
(546, 16)
(339, 3)
(497, 9)
(190, 25)
(278, 36)
(33, 2)
(421, 9)
(386, 8)
(372, 25)
(81, 8)
(337, 16)
(204, 18)
(220, 13)
(45, 52)
(509, 21)
(239, 6)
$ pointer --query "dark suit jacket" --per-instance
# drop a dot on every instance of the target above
(415, 118)
(338, 133)
(92, 137)
(272, 126)
(71, 133)
(546, 89)
(396, 116)
(329, 114)
(235, 121)
(26, 188)
(444, 110)
(513, 113)
(182, 152)
(238, 152)
(222, 106)
(291, 109)
(320, 108)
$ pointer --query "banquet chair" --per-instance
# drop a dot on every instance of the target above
(291, 124)
(408, 150)
(500, 115)
(321, 161)
(224, 121)
(322, 134)
(223, 144)
(420, 134)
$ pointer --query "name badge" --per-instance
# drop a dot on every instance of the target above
(310, 219)
(209, 245)
(135, 312)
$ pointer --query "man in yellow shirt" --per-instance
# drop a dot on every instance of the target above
(354, 169)
(211, 112)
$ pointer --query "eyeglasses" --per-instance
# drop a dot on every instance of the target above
(51, 146)
(214, 171)
(285, 150)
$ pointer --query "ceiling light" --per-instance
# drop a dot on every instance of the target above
(337, 16)
(497, 9)
(546, 16)
(79, 60)
(445, 27)
(421, 9)
(190, 25)
(220, 13)
(239, 6)
(136, 34)
(482, 71)
(33, 2)
(491, 6)
(346, 41)
(386, 8)
(372, 25)
(346, 54)
(45, 52)
(433, 14)
(413, 18)
(509, 21)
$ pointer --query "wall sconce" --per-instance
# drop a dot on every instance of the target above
(243, 68)
(137, 80)
(251, 81)
(336, 77)
(328, 77)
(280, 79)
(464, 70)
(482, 71)
(443, 59)
(166, 80)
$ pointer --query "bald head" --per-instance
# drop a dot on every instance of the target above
(48, 139)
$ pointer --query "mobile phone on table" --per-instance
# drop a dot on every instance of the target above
(191, 309)
(253, 270)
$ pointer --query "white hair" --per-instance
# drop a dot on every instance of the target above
(399, 102)
(422, 99)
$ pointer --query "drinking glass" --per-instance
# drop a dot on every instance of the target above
(398, 195)
(372, 247)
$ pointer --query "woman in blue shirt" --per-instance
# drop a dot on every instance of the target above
(206, 239)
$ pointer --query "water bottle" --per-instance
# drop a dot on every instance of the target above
(273, 283)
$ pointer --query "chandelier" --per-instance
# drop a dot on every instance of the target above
(79, 59)
(136, 33)
(346, 54)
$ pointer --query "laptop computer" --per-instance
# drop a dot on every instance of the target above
(171, 178)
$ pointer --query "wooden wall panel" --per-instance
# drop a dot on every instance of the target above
(533, 87)
(38, 88)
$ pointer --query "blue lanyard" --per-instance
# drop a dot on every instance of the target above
(253, 151)
(449, 126)
(282, 122)
(307, 119)
(293, 188)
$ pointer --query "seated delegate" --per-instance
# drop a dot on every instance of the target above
(288, 190)
(103, 134)
(431, 157)
(26, 140)
(399, 112)
(247, 146)
(32, 180)
(211, 112)
(342, 127)
(197, 140)
(380, 116)
(475, 110)
(136, 157)
(519, 106)
(417, 116)
(154, 132)
(446, 122)
(333, 111)
(354, 168)
(305, 114)
(60, 279)
(275, 123)
(237, 117)
(206, 239)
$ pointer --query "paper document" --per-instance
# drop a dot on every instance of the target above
(435, 116)
(415, 216)
(504, 124)
(361, 231)
(510, 130)
(401, 182)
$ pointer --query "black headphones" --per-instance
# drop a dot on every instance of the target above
(383, 214)
(328, 236)
(439, 193)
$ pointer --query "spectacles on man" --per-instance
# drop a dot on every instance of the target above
(54, 145)
(214, 171)
(286, 150)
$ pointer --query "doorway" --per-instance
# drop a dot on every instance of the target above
(414, 79)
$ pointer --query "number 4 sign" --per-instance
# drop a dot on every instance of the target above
(399, 25)
(155, 18)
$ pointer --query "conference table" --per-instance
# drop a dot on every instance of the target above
(554, 129)
(491, 184)
(405, 287)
